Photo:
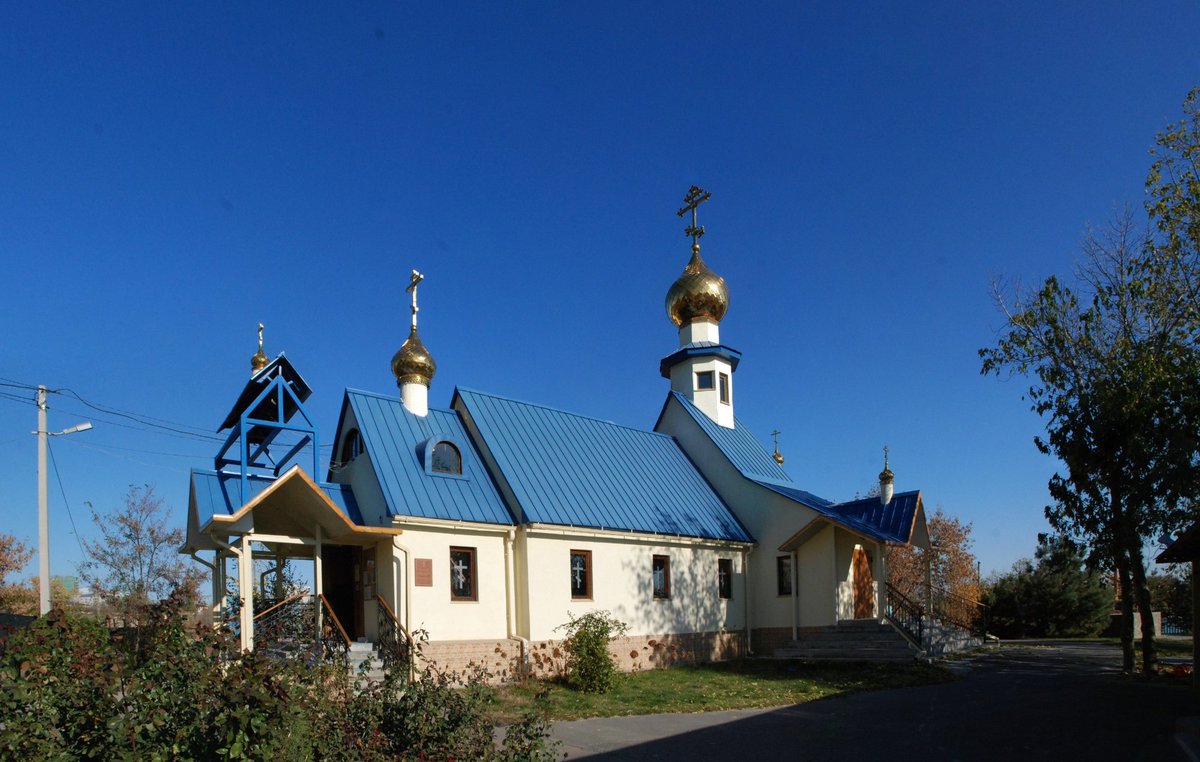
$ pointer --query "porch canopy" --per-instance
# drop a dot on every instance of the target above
(287, 517)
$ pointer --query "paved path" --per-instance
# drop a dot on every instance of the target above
(1061, 702)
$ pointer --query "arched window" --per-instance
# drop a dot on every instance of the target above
(352, 446)
(446, 459)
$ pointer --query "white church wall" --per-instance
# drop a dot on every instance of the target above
(621, 576)
(433, 610)
(816, 564)
(770, 518)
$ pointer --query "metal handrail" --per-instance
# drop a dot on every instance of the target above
(396, 652)
(329, 610)
(975, 622)
(907, 617)
(278, 605)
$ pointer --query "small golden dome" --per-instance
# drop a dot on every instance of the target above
(699, 293)
(412, 363)
(886, 476)
(258, 361)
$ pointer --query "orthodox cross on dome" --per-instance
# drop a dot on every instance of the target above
(776, 455)
(260, 330)
(412, 289)
(694, 198)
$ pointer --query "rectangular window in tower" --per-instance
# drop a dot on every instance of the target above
(725, 388)
(581, 575)
(660, 568)
(704, 379)
(783, 570)
(724, 578)
(462, 575)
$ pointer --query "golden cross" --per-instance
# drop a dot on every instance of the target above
(412, 289)
(260, 327)
(694, 198)
(776, 434)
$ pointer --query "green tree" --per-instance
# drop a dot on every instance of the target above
(136, 560)
(1116, 359)
(1052, 596)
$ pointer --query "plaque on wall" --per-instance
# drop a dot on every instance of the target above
(423, 572)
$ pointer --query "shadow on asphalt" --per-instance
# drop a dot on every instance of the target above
(1064, 701)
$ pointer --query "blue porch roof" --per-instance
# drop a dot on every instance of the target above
(395, 441)
(573, 470)
(892, 522)
(221, 494)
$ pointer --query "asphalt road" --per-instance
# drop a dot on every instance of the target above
(1060, 702)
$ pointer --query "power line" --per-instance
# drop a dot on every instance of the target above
(18, 398)
(141, 418)
(58, 476)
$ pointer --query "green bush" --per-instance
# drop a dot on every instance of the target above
(590, 666)
(71, 689)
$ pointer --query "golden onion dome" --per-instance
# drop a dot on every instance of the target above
(886, 476)
(412, 363)
(699, 293)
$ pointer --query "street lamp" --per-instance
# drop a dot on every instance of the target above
(43, 501)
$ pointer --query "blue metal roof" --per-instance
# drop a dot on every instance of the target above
(745, 452)
(699, 349)
(893, 521)
(221, 494)
(573, 470)
(395, 438)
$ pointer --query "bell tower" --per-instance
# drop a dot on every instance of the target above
(702, 368)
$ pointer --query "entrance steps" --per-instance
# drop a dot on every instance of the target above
(364, 660)
(850, 640)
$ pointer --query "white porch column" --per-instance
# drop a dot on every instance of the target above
(318, 585)
(881, 582)
(794, 573)
(746, 600)
(246, 591)
(218, 587)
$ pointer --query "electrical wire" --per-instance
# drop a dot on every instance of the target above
(67, 503)
(141, 418)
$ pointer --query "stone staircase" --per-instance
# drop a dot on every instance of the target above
(365, 654)
(851, 640)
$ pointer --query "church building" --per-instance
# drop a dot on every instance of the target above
(491, 521)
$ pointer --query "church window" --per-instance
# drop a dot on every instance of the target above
(724, 578)
(446, 459)
(660, 568)
(581, 575)
(462, 575)
(352, 446)
(725, 388)
(783, 570)
(704, 379)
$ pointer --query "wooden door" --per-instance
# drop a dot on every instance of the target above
(864, 585)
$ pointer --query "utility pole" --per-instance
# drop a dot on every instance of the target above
(43, 508)
(43, 436)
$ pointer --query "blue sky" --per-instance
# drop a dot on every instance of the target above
(175, 173)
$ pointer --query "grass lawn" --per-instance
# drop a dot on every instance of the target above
(705, 688)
